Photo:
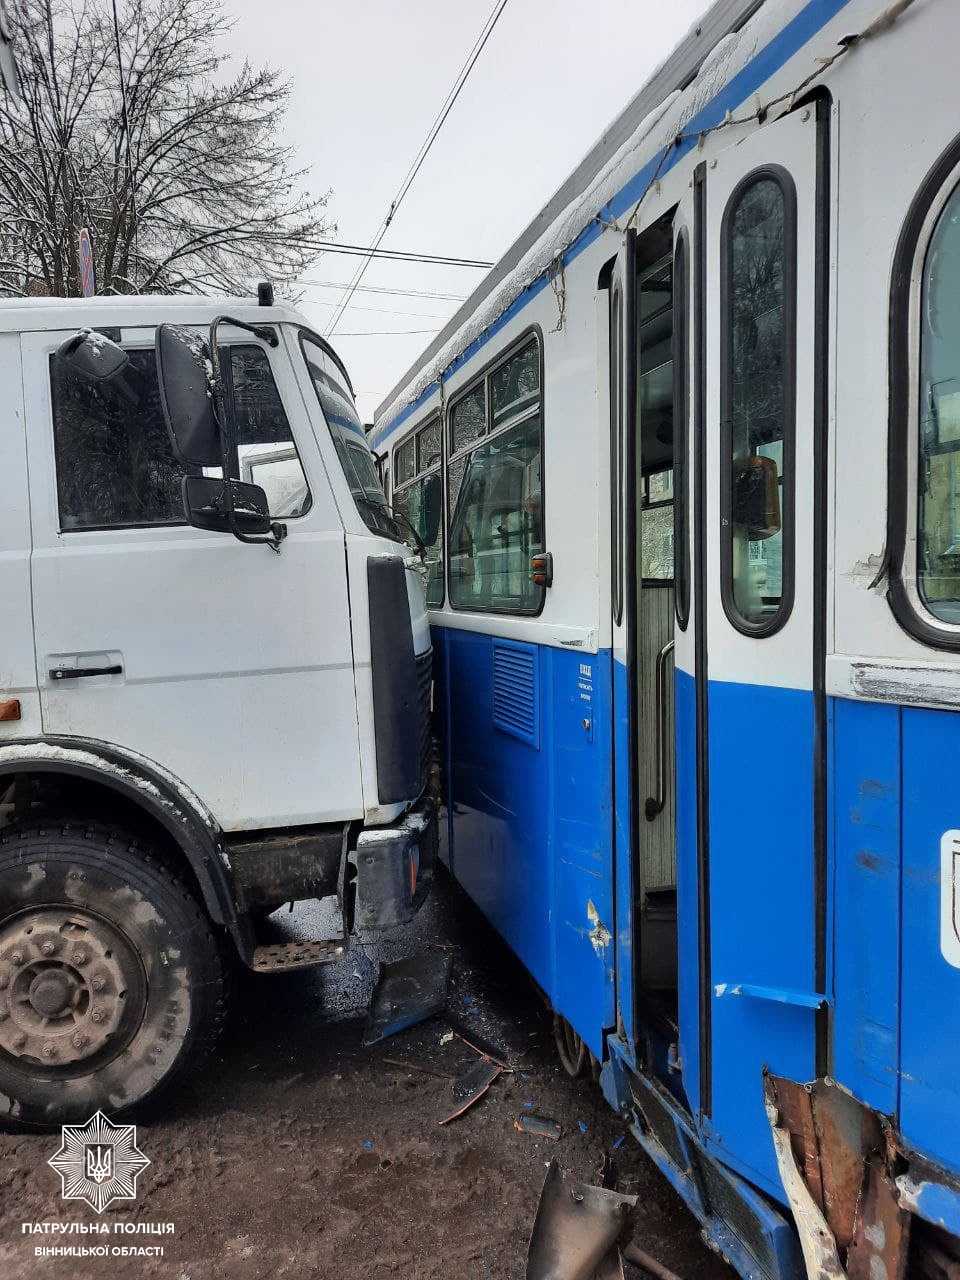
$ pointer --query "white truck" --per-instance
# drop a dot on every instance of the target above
(215, 682)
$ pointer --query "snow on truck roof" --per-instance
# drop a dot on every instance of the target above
(126, 311)
(705, 69)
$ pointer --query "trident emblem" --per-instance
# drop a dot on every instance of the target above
(98, 1163)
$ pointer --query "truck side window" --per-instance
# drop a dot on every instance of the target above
(115, 467)
(114, 462)
(268, 457)
(350, 442)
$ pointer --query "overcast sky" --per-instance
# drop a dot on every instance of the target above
(369, 76)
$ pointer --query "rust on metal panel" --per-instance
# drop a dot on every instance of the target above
(794, 1104)
(816, 1240)
(881, 1234)
(847, 1133)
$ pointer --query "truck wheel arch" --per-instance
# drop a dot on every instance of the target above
(147, 787)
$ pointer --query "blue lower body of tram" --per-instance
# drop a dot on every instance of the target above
(536, 822)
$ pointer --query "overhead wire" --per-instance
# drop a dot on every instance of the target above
(384, 333)
(420, 157)
(373, 288)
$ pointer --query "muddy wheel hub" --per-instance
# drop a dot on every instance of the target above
(69, 986)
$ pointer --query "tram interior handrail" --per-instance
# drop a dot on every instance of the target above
(654, 804)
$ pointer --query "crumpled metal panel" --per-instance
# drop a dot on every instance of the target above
(575, 1229)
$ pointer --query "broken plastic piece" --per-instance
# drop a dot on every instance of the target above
(408, 991)
(539, 1126)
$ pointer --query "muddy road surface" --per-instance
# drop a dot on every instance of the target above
(297, 1152)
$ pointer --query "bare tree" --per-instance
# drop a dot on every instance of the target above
(138, 131)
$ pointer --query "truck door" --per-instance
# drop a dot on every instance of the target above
(228, 665)
(759, 591)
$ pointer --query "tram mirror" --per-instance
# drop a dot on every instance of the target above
(756, 497)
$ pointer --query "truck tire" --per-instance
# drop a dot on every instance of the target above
(111, 980)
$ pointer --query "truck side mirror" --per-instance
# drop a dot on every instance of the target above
(206, 506)
(756, 497)
(189, 396)
(92, 356)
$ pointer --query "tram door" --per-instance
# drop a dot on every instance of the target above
(756, 458)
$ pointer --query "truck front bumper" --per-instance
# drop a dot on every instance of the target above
(394, 868)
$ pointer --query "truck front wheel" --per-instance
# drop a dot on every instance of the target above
(111, 981)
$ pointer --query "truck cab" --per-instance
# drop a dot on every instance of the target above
(215, 682)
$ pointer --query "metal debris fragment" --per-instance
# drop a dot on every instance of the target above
(479, 1044)
(408, 991)
(471, 1086)
(576, 1227)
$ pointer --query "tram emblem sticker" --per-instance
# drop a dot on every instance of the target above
(950, 897)
(99, 1162)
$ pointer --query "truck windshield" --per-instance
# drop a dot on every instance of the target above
(350, 440)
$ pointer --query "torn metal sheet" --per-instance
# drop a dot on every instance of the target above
(539, 1126)
(832, 1135)
(471, 1086)
(881, 1234)
(575, 1228)
(816, 1239)
(408, 991)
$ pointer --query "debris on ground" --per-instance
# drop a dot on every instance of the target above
(408, 991)
(479, 1044)
(539, 1126)
(638, 1258)
(471, 1086)
(576, 1227)
(418, 1066)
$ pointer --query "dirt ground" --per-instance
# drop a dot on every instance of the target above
(298, 1152)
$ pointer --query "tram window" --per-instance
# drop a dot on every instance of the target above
(938, 544)
(468, 419)
(495, 491)
(758, 285)
(418, 496)
(406, 462)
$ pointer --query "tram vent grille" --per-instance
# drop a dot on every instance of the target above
(516, 690)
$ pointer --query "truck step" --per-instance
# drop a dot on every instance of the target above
(296, 955)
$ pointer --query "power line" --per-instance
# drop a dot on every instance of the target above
(374, 288)
(421, 155)
(383, 311)
(393, 255)
(337, 246)
(384, 333)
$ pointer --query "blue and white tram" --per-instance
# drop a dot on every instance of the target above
(688, 465)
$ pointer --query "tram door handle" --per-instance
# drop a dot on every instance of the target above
(654, 805)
